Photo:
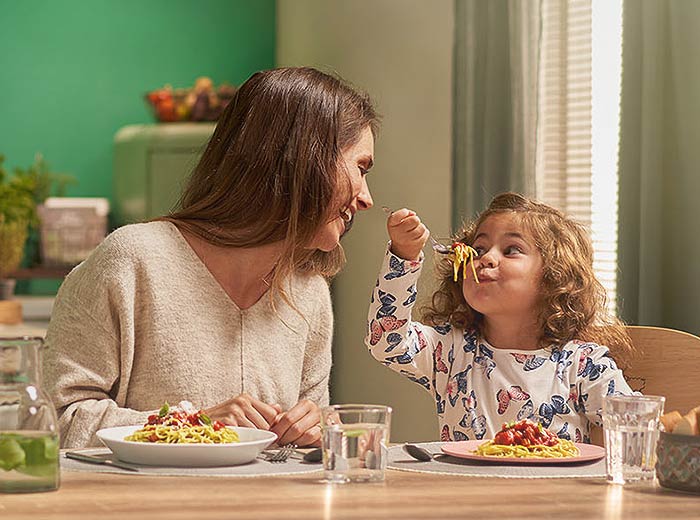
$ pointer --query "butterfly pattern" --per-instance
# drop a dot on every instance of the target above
(477, 387)
(504, 397)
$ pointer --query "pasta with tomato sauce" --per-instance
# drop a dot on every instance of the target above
(462, 254)
(180, 427)
(527, 439)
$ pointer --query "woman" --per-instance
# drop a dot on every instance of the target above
(224, 302)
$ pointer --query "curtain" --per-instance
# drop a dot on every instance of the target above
(659, 277)
(495, 101)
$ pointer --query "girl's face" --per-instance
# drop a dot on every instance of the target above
(509, 268)
(356, 161)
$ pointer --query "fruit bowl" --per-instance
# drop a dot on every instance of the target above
(678, 461)
(199, 103)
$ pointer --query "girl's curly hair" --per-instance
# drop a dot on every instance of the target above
(573, 300)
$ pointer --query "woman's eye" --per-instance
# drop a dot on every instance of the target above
(363, 171)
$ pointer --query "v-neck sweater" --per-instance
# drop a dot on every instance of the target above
(142, 322)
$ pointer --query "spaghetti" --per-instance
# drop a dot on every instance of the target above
(178, 427)
(462, 255)
(526, 439)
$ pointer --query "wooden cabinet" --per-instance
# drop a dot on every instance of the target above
(151, 166)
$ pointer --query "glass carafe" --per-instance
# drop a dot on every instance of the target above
(29, 445)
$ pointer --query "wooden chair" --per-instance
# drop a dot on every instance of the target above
(668, 364)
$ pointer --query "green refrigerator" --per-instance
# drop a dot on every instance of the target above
(151, 165)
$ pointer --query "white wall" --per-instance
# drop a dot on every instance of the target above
(400, 51)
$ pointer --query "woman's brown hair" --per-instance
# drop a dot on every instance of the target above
(271, 172)
(573, 302)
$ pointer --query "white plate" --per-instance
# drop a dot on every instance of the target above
(193, 455)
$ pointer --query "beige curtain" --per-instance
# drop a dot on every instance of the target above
(495, 101)
(659, 278)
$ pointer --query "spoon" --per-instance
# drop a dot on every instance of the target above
(313, 456)
(418, 453)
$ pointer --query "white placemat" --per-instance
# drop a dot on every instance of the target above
(446, 465)
(257, 468)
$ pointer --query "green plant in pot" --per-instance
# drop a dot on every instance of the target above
(17, 213)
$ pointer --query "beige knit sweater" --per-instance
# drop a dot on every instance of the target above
(142, 321)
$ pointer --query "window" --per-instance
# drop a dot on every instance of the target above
(579, 118)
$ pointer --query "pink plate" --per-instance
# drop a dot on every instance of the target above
(465, 450)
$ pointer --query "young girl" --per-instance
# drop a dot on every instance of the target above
(525, 342)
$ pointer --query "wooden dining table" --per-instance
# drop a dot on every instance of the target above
(405, 495)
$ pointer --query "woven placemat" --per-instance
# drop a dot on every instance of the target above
(257, 468)
(446, 465)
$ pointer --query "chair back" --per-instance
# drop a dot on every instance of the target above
(668, 364)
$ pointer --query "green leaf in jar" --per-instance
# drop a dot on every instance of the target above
(41, 455)
(11, 453)
(164, 410)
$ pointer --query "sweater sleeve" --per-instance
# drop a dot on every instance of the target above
(405, 346)
(85, 357)
(317, 354)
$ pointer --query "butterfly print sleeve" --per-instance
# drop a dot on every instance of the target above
(597, 376)
(395, 340)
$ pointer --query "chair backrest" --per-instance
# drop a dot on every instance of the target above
(668, 364)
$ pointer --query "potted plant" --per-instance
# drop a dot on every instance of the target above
(17, 213)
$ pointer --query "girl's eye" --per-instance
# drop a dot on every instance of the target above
(363, 171)
(479, 251)
(511, 250)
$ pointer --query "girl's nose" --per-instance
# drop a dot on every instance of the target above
(488, 260)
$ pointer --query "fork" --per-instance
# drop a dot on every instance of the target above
(282, 454)
(437, 246)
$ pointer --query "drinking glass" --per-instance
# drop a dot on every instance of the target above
(354, 442)
(631, 427)
(28, 426)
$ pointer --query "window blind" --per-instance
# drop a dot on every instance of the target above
(577, 131)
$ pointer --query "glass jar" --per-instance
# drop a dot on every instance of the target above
(29, 447)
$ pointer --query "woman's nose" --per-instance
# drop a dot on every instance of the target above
(364, 198)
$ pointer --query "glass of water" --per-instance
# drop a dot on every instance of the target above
(631, 427)
(355, 438)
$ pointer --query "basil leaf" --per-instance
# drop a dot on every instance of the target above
(164, 410)
(204, 419)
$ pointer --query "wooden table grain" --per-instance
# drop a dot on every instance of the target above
(403, 495)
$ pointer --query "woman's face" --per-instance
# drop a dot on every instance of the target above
(356, 161)
(509, 268)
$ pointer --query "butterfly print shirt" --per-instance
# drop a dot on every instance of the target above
(477, 387)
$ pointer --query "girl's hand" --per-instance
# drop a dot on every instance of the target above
(408, 234)
(244, 410)
(299, 425)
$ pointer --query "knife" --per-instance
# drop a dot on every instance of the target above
(97, 460)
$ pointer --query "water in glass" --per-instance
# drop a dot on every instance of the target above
(631, 427)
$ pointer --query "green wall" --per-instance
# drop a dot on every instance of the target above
(72, 72)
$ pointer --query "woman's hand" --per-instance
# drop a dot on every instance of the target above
(244, 410)
(299, 425)
(408, 234)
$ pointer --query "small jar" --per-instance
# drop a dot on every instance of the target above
(29, 445)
